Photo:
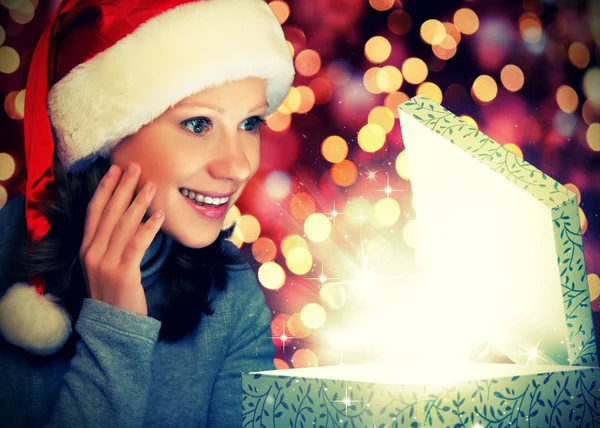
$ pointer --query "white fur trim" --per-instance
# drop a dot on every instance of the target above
(33, 322)
(170, 57)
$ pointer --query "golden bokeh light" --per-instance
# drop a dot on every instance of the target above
(575, 190)
(372, 81)
(382, 116)
(9, 106)
(20, 103)
(402, 165)
(357, 211)
(484, 88)
(514, 149)
(378, 49)
(591, 84)
(7, 166)
(278, 121)
(410, 233)
(393, 100)
(304, 358)
(432, 32)
(579, 55)
(530, 28)
(594, 286)
(590, 112)
(442, 52)
(281, 10)
(414, 70)
(334, 149)
(297, 327)
(308, 62)
(317, 227)
(388, 79)
(583, 223)
(280, 364)
(381, 5)
(291, 47)
(232, 217)
(2, 35)
(469, 120)
(387, 212)
(333, 295)
(399, 22)
(302, 205)
(292, 100)
(271, 276)
(592, 136)
(313, 315)
(3, 196)
(264, 250)
(307, 99)
(431, 90)
(292, 241)
(299, 261)
(567, 99)
(344, 173)
(9, 60)
(249, 227)
(466, 21)
(24, 13)
(371, 137)
(512, 77)
(11, 4)
(236, 237)
(452, 31)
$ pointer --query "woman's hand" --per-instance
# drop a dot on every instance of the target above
(115, 239)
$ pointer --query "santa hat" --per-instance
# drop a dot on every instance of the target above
(102, 70)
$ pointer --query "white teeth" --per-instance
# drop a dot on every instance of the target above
(199, 198)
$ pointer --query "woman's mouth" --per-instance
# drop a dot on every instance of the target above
(209, 207)
(201, 199)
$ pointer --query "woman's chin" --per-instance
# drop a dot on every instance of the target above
(189, 239)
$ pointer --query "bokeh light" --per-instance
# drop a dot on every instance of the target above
(2, 35)
(344, 173)
(393, 100)
(299, 260)
(9, 60)
(388, 78)
(7, 166)
(399, 22)
(402, 165)
(297, 327)
(512, 77)
(593, 136)
(433, 32)
(264, 250)
(304, 358)
(3, 196)
(249, 227)
(278, 184)
(567, 99)
(378, 49)
(591, 85)
(466, 21)
(271, 275)
(485, 88)
(430, 90)
(292, 241)
(24, 13)
(317, 227)
(387, 212)
(281, 10)
(308, 62)
(232, 217)
(302, 205)
(371, 137)
(381, 5)
(278, 121)
(594, 286)
(414, 70)
(333, 295)
(313, 315)
(410, 233)
(579, 55)
(530, 28)
(322, 89)
(334, 149)
(514, 149)
(383, 117)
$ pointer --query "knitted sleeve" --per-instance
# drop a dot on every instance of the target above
(250, 349)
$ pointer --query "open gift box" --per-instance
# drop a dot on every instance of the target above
(482, 212)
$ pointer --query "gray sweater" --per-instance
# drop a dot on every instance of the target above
(122, 376)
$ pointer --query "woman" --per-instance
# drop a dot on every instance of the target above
(122, 303)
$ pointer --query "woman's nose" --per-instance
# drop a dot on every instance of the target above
(233, 159)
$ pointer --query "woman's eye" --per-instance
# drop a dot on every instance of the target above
(252, 124)
(197, 125)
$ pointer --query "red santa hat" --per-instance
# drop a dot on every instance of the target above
(102, 69)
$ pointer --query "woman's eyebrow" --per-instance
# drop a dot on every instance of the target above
(217, 108)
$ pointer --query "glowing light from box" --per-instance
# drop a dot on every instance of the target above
(317, 227)
(313, 315)
(431, 90)
(271, 275)
(414, 70)
(281, 10)
(299, 261)
(371, 137)
(485, 88)
(565, 123)
(378, 49)
(399, 22)
(297, 327)
(7, 166)
(264, 250)
(512, 77)
(334, 149)
(344, 173)
(333, 295)
(579, 55)
(402, 165)
(387, 212)
(383, 117)
(393, 100)
(292, 241)
(379, 250)
(410, 233)
(466, 21)
(592, 136)
(381, 5)
(303, 358)
(302, 205)
(432, 32)
(9, 60)
(567, 99)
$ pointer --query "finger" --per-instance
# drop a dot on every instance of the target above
(128, 223)
(116, 207)
(138, 245)
(96, 206)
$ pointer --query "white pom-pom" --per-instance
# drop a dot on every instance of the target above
(33, 322)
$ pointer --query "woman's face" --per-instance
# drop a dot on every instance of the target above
(207, 146)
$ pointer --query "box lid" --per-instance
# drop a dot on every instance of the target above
(500, 241)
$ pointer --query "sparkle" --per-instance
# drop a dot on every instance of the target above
(388, 189)
(284, 337)
(371, 175)
(347, 401)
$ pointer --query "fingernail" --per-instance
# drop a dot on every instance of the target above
(158, 214)
(131, 168)
(148, 186)
(112, 170)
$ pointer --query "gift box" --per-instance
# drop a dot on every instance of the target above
(501, 250)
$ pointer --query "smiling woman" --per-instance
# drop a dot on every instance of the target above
(115, 271)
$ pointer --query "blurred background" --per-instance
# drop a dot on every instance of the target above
(328, 221)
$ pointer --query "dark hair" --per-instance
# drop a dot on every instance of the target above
(192, 276)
